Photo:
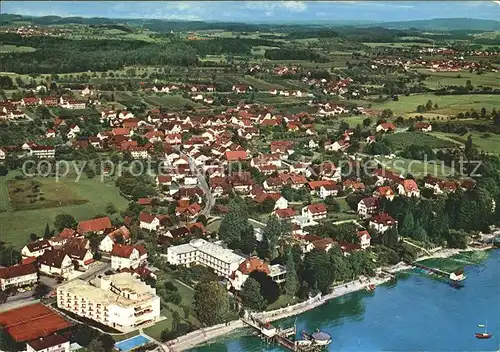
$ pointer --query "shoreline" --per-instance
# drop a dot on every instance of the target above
(202, 336)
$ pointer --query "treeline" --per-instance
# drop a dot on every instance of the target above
(294, 54)
(219, 46)
(320, 33)
(61, 55)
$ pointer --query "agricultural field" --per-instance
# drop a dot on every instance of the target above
(84, 200)
(438, 80)
(7, 48)
(405, 139)
(397, 45)
(31, 194)
(489, 142)
(447, 104)
(170, 101)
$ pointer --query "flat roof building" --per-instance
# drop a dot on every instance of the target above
(200, 252)
(120, 301)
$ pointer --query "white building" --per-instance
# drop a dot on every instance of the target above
(42, 151)
(109, 241)
(124, 256)
(200, 252)
(276, 272)
(56, 263)
(120, 301)
(36, 249)
(364, 239)
(51, 343)
(18, 276)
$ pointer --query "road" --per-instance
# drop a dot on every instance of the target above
(210, 200)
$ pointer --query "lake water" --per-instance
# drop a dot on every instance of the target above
(416, 313)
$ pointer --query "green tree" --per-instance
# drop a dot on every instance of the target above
(234, 222)
(211, 303)
(46, 233)
(367, 122)
(292, 281)
(111, 209)
(332, 204)
(317, 270)
(96, 346)
(408, 224)
(428, 105)
(248, 240)
(64, 220)
(271, 235)
(107, 342)
(250, 295)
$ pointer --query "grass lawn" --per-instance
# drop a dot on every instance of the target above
(16, 226)
(283, 301)
(447, 104)
(418, 168)
(405, 139)
(8, 48)
(353, 121)
(489, 144)
(214, 226)
(343, 204)
(29, 194)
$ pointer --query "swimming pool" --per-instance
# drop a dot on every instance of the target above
(131, 343)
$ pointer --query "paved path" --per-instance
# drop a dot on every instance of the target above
(210, 200)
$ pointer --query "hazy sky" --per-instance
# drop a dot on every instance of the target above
(260, 11)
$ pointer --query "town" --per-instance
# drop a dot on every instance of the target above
(233, 180)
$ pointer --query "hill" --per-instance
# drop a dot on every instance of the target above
(446, 24)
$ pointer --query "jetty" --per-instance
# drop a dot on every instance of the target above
(285, 337)
(454, 277)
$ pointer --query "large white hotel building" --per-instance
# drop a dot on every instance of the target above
(120, 301)
(200, 252)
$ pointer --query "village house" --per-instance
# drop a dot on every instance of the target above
(382, 222)
(386, 127)
(56, 263)
(368, 206)
(35, 249)
(18, 276)
(150, 222)
(315, 211)
(340, 145)
(424, 127)
(94, 225)
(408, 188)
(73, 131)
(41, 151)
(284, 214)
(384, 191)
(276, 272)
(51, 343)
(78, 250)
(120, 235)
(364, 239)
(126, 256)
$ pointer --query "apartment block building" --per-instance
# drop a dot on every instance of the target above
(200, 252)
(120, 301)
(18, 276)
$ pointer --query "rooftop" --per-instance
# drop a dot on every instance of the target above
(98, 291)
(214, 250)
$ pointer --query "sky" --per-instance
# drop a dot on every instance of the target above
(261, 11)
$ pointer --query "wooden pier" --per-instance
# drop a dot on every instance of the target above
(452, 277)
(269, 333)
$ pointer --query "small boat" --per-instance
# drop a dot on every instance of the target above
(485, 334)
(370, 288)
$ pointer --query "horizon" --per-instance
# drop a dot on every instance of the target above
(262, 11)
